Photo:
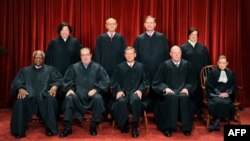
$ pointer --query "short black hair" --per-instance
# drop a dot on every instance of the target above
(192, 29)
(61, 25)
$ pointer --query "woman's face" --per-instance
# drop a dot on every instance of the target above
(65, 32)
(222, 63)
(193, 36)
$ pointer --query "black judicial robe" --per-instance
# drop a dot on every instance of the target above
(37, 83)
(128, 80)
(221, 107)
(110, 52)
(151, 51)
(175, 78)
(61, 54)
(198, 56)
(82, 80)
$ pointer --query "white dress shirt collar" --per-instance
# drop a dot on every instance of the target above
(192, 43)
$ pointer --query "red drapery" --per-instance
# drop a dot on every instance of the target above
(28, 25)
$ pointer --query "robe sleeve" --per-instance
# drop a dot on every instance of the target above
(158, 84)
(183, 52)
(231, 85)
(68, 80)
(103, 81)
(56, 78)
(18, 82)
(144, 82)
(98, 50)
(49, 52)
(207, 58)
(78, 47)
(211, 89)
(191, 83)
(115, 85)
(137, 48)
(121, 53)
(165, 44)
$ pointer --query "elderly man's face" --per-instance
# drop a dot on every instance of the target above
(38, 59)
(175, 53)
(86, 56)
(111, 25)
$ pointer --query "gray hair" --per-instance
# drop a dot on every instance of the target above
(130, 48)
(38, 51)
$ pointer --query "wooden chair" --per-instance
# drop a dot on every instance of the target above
(207, 117)
(144, 119)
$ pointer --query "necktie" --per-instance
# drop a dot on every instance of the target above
(85, 66)
(111, 36)
(130, 65)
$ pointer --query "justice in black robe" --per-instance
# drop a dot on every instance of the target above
(170, 105)
(110, 52)
(221, 107)
(198, 56)
(151, 52)
(37, 82)
(128, 80)
(61, 54)
(81, 81)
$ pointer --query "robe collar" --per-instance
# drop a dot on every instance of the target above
(192, 43)
(64, 39)
(86, 66)
(150, 34)
(37, 67)
(131, 64)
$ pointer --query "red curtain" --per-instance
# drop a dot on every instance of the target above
(28, 25)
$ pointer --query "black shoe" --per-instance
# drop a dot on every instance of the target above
(168, 133)
(216, 129)
(210, 128)
(124, 129)
(135, 132)
(19, 136)
(48, 132)
(92, 130)
(187, 133)
(105, 117)
(65, 132)
(199, 116)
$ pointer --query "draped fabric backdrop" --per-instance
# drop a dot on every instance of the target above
(28, 25)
